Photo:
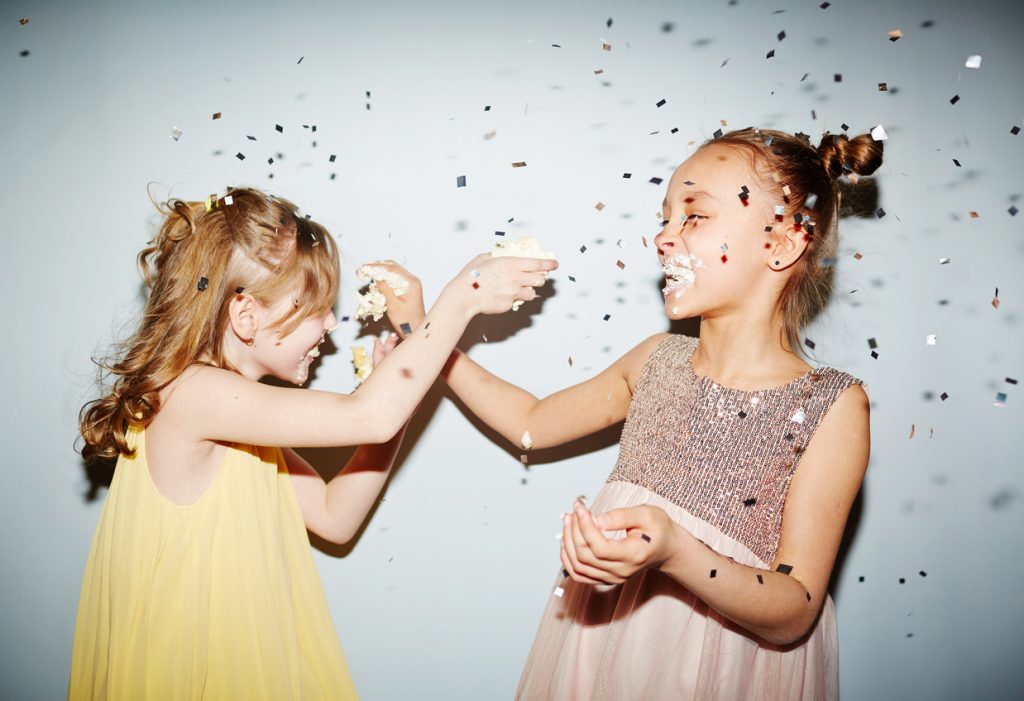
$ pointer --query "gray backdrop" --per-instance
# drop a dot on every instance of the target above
(440, 595)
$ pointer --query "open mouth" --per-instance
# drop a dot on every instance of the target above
(679, 273)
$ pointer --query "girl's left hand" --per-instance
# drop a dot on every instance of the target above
(588, 556)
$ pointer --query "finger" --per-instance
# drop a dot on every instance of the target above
(569, 571)
(587, 564)
(620, 519)
(569, 546)
(606, 549)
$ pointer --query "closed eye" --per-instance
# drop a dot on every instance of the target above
(693, 217)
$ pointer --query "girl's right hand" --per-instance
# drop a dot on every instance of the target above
(490, 285)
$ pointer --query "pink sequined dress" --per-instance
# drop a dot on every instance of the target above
(719, 462)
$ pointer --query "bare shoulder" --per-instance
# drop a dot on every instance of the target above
(843, 437)
(634, 360)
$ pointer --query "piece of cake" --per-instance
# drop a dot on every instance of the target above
(372, 302)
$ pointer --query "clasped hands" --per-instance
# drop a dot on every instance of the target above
(651, 539)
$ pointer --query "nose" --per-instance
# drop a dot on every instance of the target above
(667, 239)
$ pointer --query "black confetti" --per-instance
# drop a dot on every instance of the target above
(955, 99)
(406, 329)
(784, 569)
(760, 579)
(713, 573)
(460, 181)
(203, 284)
(645, 537)
(750, 502)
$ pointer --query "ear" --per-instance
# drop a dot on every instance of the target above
(791, 240)
(243, 316)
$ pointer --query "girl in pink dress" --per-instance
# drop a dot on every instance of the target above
(701, 569)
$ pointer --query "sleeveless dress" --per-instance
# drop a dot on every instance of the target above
(218, 599)
(719, 462)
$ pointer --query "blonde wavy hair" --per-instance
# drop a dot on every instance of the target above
(203, 255)
(806, 179)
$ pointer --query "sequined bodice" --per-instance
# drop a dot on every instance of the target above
(724, 455)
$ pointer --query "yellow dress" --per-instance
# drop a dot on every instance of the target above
(218, 599)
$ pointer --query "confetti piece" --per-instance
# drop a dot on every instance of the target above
(202, 284)
(24, 53)
(646, 537)
(216, 115)
(606, 46)
(229, 200)
(460, 181)
(660, 103)
(799, 416)
(1015, 130)
(837, 78)
(607, 317)
(955, 99)
(599, 206)
(300, 60)
(781, 35)
(713, 574)
(930, 339)
(519, 164)
(770, 54)
(879, 212)
(750, 502)
(240, 156)
(405, 328)
(175, 133)
(655, 181)
(570, 361)
(883, 87)
(559, 591)
(784, 569)
(526, 440)
(760, 579)
(877, 133)
(1013, 210)
(23, 21)
(622, 266)
(1000, 399)
(895, 35)
(973, 61)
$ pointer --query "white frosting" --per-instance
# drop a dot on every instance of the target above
(372, 302)
(679, 272)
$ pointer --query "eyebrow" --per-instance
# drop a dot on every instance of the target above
(692, 195)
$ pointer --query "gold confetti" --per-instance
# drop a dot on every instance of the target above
(599, 206)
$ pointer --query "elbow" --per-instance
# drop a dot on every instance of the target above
(789, 632)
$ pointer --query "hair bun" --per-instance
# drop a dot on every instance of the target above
(839, 154)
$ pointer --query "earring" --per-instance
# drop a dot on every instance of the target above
(776, 262)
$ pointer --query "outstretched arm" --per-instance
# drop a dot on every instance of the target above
(215, 404)
(335, 510)
(519, 416)
(779, 604)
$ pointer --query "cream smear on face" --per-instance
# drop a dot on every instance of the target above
(679, 275)
(302, 370)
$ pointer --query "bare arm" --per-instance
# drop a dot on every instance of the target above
(216, 404)
(779, 605)
(512, 411)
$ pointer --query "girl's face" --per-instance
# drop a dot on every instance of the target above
(289, 357)
(713, 245)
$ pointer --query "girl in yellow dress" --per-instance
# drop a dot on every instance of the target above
(200, 582)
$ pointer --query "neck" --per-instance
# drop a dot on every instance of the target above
(736, 349)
